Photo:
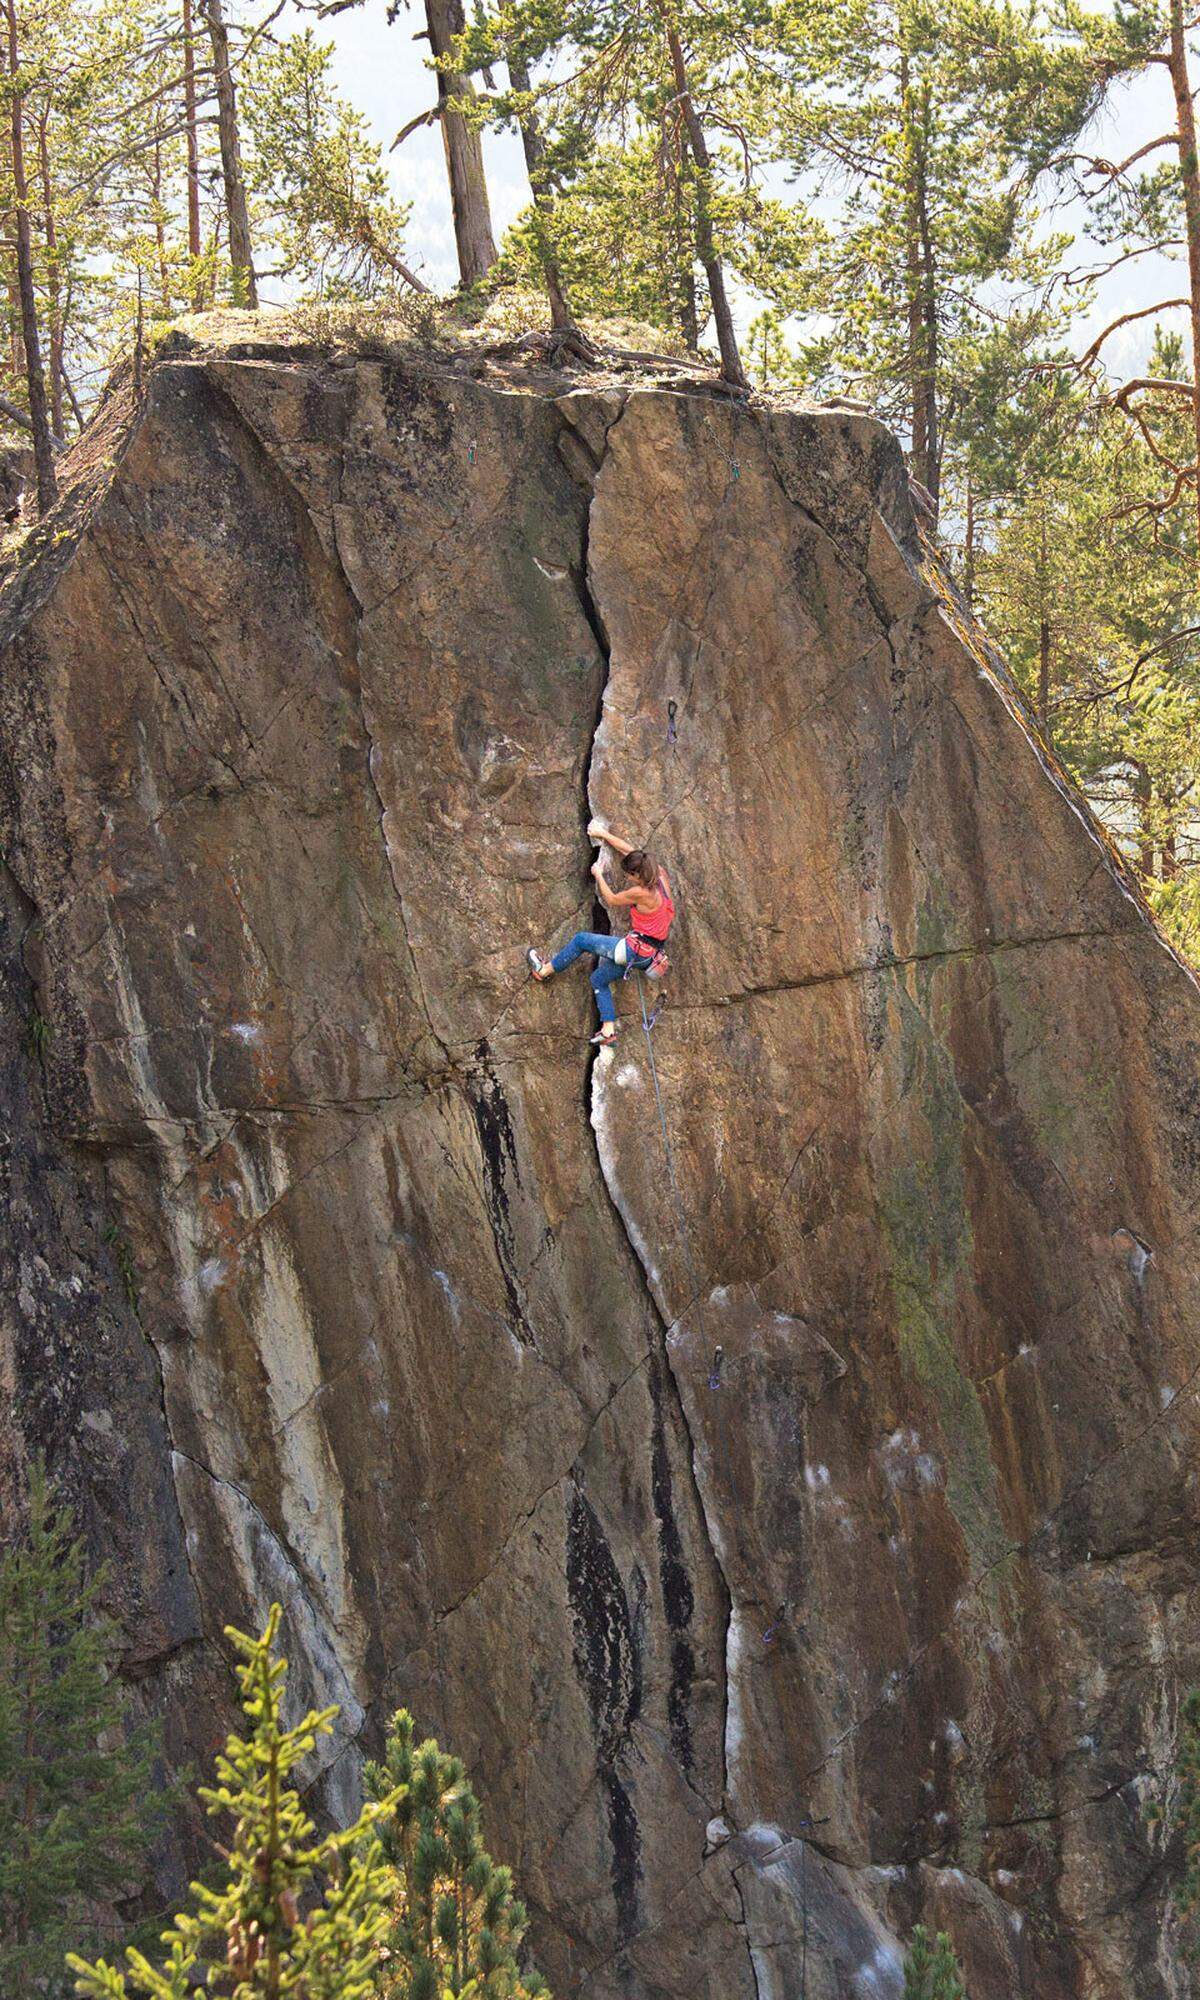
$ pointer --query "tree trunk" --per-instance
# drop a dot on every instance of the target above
(534, 146)
(195, 246)
(53, 279)
(1142, 794)
(35, 381)
(1189, 174)
(464, 149)
(1043, 693)
(731, 360)
(689, 315)
(365, 235)
(919, 275)
(241, 252)
(689, 320)
(912, 272)
(16, 344)
(929, 374)
(72, 399)
(969, 546)
(160, 227)
(1170, 857)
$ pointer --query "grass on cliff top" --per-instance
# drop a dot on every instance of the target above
(407, 320)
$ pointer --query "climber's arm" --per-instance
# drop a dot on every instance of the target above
(598, 831)
(614, 899)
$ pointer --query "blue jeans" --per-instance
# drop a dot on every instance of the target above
(609, 968)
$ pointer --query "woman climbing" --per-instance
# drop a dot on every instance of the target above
(650, 909)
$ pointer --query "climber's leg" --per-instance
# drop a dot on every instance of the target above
(603, 979)
(593, 941)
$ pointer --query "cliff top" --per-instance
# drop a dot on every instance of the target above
(510, 344)
(509, 348)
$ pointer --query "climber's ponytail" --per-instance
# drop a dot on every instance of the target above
(642, 867)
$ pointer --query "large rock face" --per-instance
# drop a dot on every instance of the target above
(880, 1613)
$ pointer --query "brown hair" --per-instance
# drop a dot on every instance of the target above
(642, 867)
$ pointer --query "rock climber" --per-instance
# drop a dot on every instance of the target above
(650, 910)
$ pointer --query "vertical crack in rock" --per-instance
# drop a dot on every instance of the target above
(678, 1597)
(498, 1157)
(676, 1586)
(742, 1923)
(609, 1665)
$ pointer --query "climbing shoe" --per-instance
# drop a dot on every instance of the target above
(604, 1036)
(540, 967)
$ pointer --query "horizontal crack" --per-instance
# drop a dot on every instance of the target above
(872, 968)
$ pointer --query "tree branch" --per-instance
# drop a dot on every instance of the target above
(1140, 312)
(16, 415)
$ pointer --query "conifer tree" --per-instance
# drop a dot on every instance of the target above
(297, 1916)
(320, 183)
(456, 1927)
(931, 1969)
(72, 1778)
(1090, 590)
(931, 121)
(1148, 206)
(663, 88)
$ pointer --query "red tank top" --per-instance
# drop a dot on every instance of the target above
(655, 924)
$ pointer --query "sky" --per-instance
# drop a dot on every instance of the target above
(381, 70)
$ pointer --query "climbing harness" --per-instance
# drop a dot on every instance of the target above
(649, 947)
(656, 965)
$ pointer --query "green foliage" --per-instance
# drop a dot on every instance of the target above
(123, 1257)
(296, 1915)
(456, 1927)
(1185, 1821)
(318, 174)
(931, 1969)
(772, 362)
(628, 203)
(74, 1779)
(1089, 586)
(926, 125)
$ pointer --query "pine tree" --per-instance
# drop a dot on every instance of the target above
(317, 174)
(931, 1969)
(930, 121)
(660, 89)
(456, 1927)
(277, 1868)
(73, 1778)
(1148, 205)
(1088, 585)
